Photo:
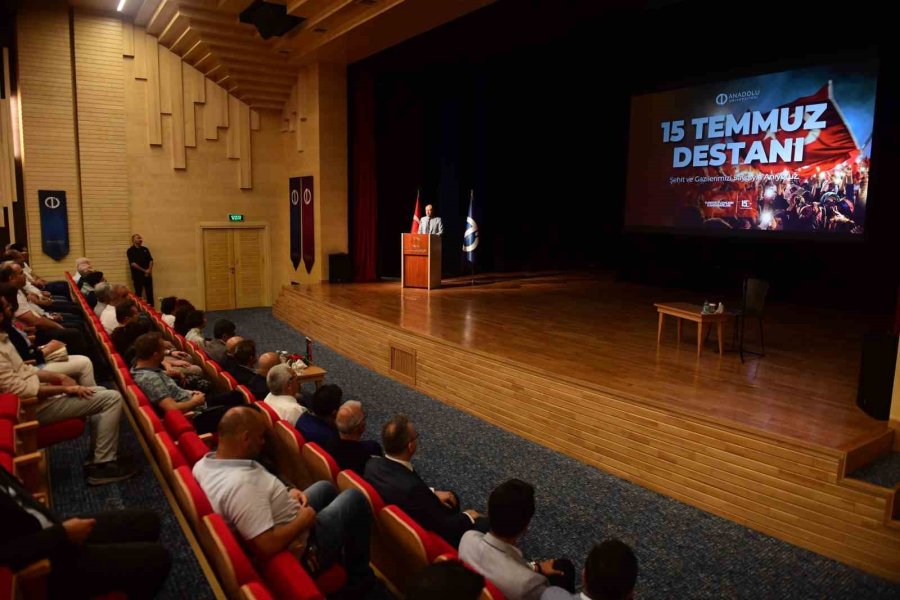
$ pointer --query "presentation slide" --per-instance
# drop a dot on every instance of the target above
(784, 152)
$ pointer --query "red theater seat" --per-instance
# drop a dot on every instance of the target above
(149, 422)
(228, 558)
(8, 437)
(286, 578)
(170, 457)
(230, 380)
(404, 547)
(191, 498)
(6, 461)
(252, 591)
(54, 433)
(288, 445)
(10, 407)
(320, 464)
(350, 480)
(269, 412)
(248, 395)
(176, 423)
(139, 395)
(192, 447)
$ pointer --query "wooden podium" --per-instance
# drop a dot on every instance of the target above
(420, 264)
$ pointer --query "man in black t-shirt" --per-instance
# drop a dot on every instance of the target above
(141, 262)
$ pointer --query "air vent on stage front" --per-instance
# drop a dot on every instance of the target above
(271, 20)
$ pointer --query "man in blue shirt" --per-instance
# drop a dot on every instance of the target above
(318, 426)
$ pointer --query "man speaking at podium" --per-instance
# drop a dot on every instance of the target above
(429, 224)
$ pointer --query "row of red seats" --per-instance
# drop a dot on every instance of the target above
(400, 546)
(283, 576)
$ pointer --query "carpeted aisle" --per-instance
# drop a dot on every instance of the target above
(683, 552)
(72, 496)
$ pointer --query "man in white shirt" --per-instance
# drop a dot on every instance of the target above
(283, 386)
(102, 291)
(496, 555)
(610, 572)
(431, 224)
(108, 317)
(318, 525)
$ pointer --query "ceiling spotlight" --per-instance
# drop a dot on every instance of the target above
(121, 5)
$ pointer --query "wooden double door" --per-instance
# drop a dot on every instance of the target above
(234, 267)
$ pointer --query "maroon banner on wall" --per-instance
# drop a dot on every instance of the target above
(307, 222)
(294, 211)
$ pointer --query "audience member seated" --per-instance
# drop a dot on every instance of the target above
(229, 363)
(87, 285)
(610, 573)
(243, 368)
(164, 394)
(394, 477)
(266, 361)
(167, 308)
(34, 285)
(182, 309)
(195, 322)
(282, 397)
(222, 330)
(115, 551)
(348, 449)
(90, 281)
(318, 525)
(496, 555)
(60, 399)
(318, 425)
(118, 295)
(130, 328)
(46, 328)
(66, 313)
(82, 266)
(75, 366)
(102, 292)
(445, 580)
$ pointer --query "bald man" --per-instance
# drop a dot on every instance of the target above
(349, 449)
(267, 360)
(317, 525)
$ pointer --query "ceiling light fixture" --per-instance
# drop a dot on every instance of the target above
(121, 5)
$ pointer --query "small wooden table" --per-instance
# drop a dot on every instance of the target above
(691, 312)
(313, 374)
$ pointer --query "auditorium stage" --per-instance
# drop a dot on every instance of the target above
(603, 334)
(571, 361)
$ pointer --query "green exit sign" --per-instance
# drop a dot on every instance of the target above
(235, 218)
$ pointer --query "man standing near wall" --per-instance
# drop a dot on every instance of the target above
(141, 262)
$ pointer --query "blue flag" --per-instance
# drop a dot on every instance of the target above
(470, 237)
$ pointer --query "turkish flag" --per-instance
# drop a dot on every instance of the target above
(416, 214)
(823, 148)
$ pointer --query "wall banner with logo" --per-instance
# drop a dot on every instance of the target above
(294, 212)
(54, 223)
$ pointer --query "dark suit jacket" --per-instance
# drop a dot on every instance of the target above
(315, 429)
(354, 455)
(398, 485)
(22, 541)
(255, 382)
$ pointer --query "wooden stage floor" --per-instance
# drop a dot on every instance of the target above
(602, 334)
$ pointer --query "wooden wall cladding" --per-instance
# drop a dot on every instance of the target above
(175, 89)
